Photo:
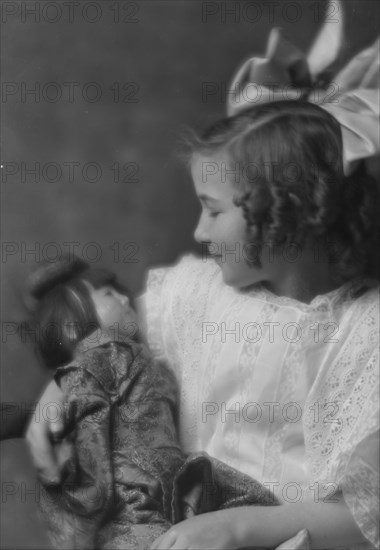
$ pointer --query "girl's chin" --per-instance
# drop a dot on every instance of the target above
(239, 280)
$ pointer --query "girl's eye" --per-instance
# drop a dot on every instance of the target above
(108, 293)
(214, 214)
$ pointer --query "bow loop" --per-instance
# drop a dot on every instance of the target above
(362, 71)
(352, 97)
(282, 74)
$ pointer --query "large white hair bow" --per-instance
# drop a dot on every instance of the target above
(352, 97)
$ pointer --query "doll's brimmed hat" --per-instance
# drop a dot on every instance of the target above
(49, 274)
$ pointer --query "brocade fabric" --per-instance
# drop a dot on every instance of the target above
(128, 480)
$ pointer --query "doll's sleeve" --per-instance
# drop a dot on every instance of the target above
(87, 490)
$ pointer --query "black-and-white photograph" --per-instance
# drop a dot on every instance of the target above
(190, 274)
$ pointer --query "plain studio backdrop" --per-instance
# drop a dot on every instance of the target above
(95, 96)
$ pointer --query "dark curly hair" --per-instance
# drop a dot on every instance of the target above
(291, 185)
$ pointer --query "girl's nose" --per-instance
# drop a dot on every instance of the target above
(200, 233)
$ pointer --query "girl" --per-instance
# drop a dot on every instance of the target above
(274, 334)
(279, 331)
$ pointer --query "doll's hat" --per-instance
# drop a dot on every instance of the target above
(49, 274)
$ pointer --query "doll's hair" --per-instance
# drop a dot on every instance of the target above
(64, 313)
(289, 181)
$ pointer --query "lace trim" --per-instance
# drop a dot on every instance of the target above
(361, 493)
(341, 296)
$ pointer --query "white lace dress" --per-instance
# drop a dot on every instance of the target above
(284, 391)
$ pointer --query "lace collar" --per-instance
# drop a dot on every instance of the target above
(344, 294)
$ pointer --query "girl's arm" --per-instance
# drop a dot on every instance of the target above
(329, 525)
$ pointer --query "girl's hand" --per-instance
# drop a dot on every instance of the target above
(45, 429)
(211, 531)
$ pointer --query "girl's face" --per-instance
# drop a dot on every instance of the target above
(222, 227)
(112, 309)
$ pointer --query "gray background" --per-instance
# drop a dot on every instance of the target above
(163, 53)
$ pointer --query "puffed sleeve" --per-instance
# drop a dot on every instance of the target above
(360, 461)
(344, 441)
(361, 487)
(155, 311)
(169, 307)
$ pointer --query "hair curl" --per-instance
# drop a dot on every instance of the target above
(292, 185)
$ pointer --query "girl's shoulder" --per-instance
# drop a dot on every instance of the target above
(187, 270)
(360, 297)
(190, 277)
(357, 296)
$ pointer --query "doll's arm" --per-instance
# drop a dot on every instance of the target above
(85, 494)
(87, 405)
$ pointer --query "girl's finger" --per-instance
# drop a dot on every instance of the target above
(179, 546)
(56, 430)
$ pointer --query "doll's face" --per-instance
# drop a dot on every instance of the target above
(112, 308)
